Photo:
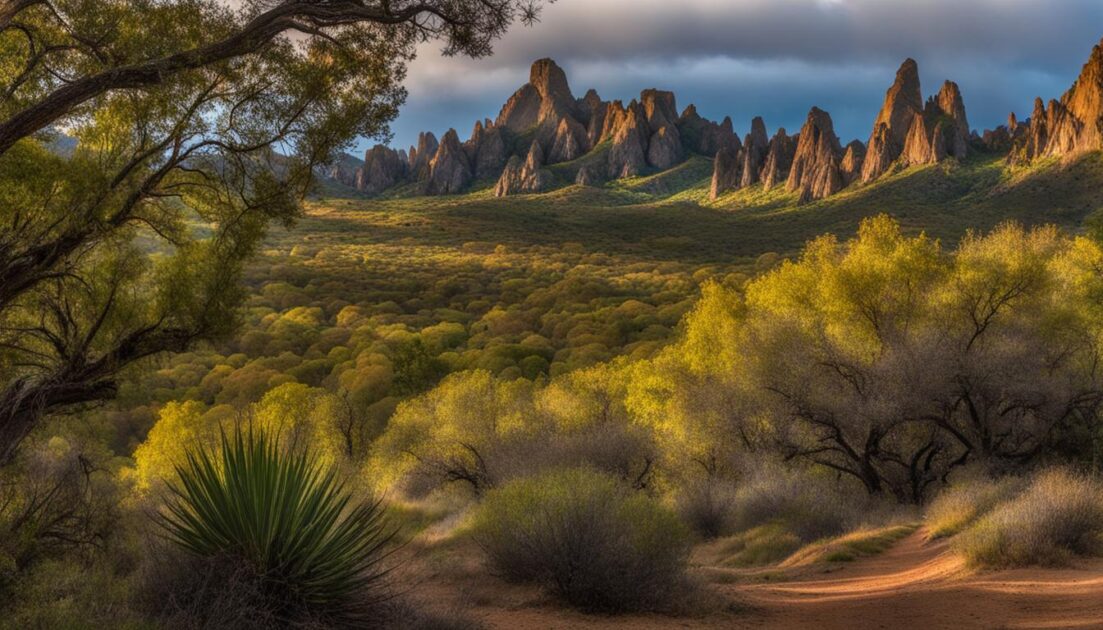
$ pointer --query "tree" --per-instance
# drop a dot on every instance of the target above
(890, 361)
(195, 126)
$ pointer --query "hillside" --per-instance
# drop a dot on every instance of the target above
(669, 216)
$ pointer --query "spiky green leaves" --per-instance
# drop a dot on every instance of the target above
(316, 552)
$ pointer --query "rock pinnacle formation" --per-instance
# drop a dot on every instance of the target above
(815, 172)
(903, 102)
(1070, 126)
(589, 140)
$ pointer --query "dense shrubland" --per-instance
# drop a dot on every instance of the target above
(814, 406)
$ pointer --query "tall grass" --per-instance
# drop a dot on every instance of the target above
(1059, 515)
(287, 524)
(962, 504)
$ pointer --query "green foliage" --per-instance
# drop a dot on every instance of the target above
(588, 537)
(1059, 515)
(483, 431)
(302, 417)
(315, 552)
(415, 369)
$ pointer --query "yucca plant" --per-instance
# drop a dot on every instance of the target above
(315, 554)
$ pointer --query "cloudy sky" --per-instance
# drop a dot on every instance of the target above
(774, 58)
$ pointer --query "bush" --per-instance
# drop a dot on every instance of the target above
(275, 537)
(707, 506)
(811, 506)
(1060, 514)
(962, 504)
(582, 533)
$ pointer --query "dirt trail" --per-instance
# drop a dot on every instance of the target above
(915, 584)
(920, 584)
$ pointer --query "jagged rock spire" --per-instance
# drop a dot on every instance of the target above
(815, 172)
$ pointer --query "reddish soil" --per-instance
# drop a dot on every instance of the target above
(915, 584)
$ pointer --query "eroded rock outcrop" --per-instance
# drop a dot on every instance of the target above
(1068, 127)
(586, 177)
(569, 143)
(594, 109)
(779, 159)
(628, 154)
(486, 150)
(664, 145)
(851, 165)
(649, 135)
(949, 106)
(343, 174)
(903, 102)
(525, 176)
(704, 136)
(383, 168)
(450, 169)
(727, 171)
(420, 156)
(913, 133)
(755, 148)
(816, 172)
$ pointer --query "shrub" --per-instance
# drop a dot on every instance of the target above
(1060, 514)
(707, 506)
(962, 504)
(275, 535)
(599, 545)
(812, 507)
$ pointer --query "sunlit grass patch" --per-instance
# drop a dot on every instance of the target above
(848, 547)
(961, 505)
(1057, 517)
(765, 544)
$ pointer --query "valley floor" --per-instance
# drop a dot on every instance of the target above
(915, 584)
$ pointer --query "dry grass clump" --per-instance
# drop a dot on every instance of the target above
(586, 536)
(961, 505)
(758, 546)
(772, 512)
(810, 506)
(848, 547)
(1059, 515)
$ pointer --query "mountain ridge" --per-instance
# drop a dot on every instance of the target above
(543, 124)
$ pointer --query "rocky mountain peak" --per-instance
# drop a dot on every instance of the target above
(754, 152)
(815, 171)
(1071, 126)
(851, 165)
(550, 81)
(546, 98)
(951, 103)
(903, 102)
(779, 159)
(628, 155)
(450, 169)
(726, 172)
(660, 107)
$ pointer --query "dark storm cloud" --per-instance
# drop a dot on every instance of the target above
(775, 58)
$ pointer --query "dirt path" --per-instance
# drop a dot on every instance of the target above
(915, 584)
(919, 584)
